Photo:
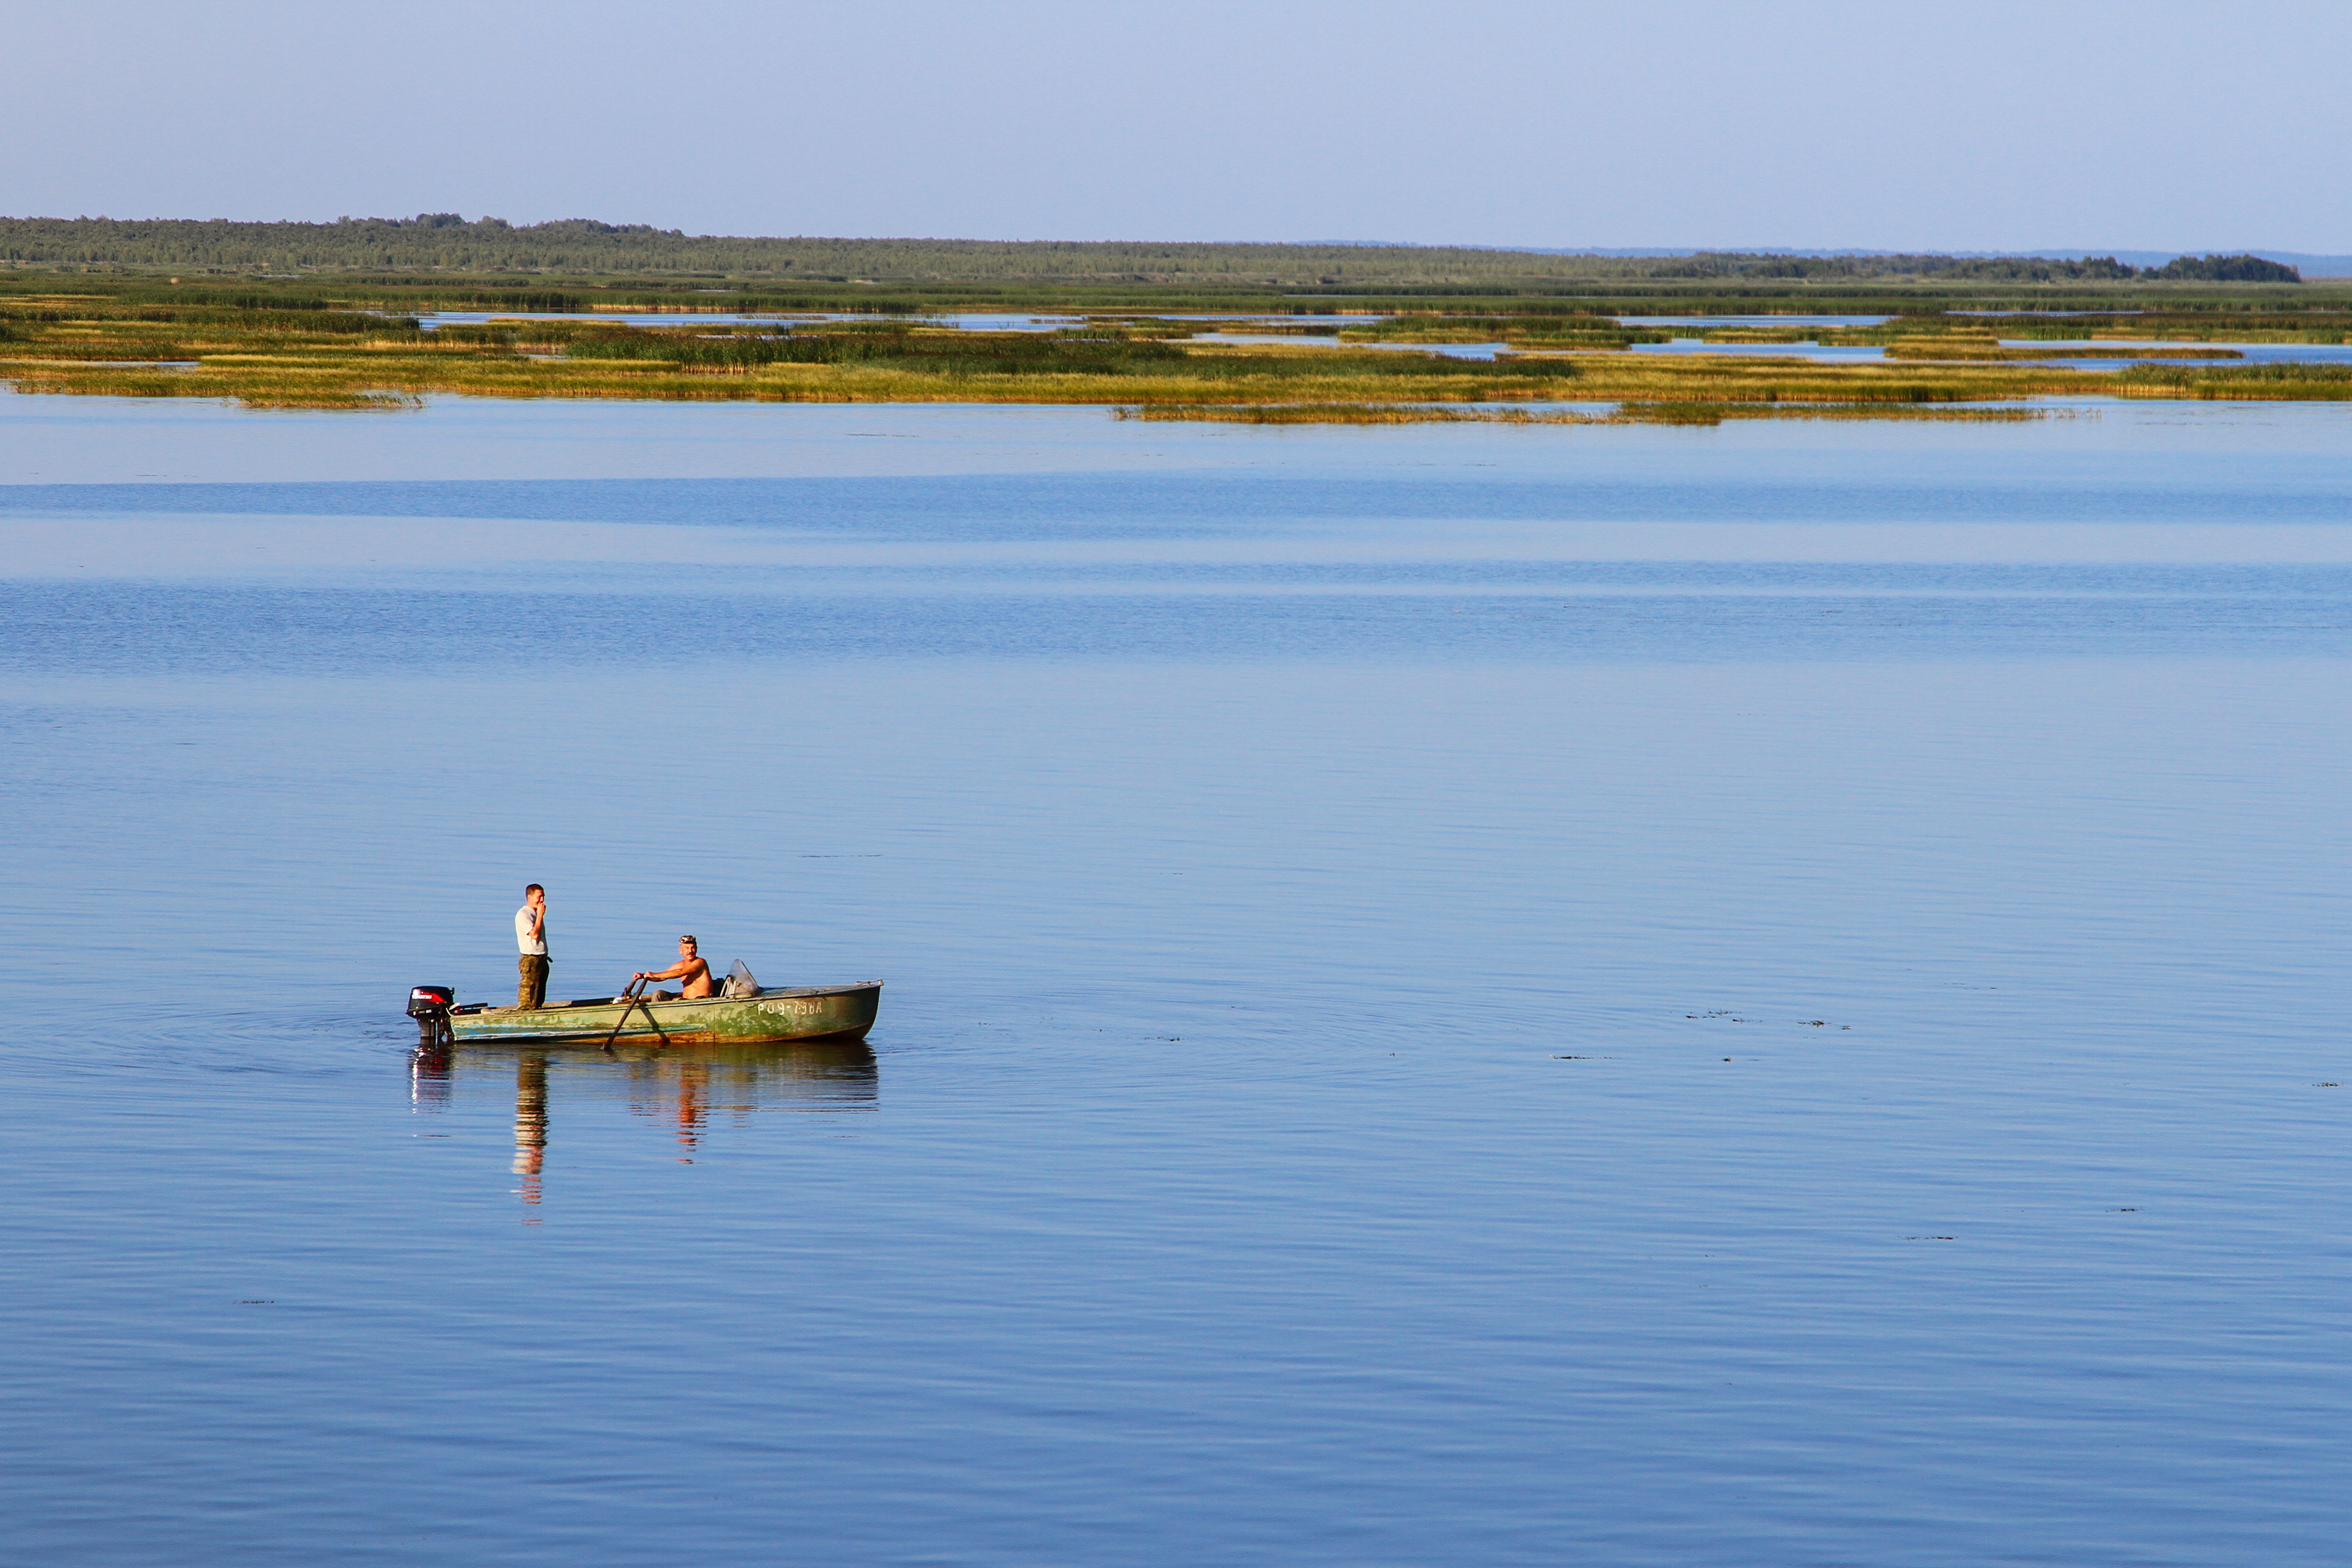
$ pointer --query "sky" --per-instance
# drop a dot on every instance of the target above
(1970, 125)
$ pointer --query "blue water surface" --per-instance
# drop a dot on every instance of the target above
(1765, 995)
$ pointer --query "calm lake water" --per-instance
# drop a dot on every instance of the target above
(1768, 995)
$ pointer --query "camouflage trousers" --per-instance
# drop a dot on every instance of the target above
(530, 989)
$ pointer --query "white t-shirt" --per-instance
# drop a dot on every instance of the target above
(522, 933)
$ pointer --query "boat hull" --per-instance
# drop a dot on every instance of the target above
(788, 1012)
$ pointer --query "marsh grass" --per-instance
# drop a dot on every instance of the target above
(1972, 350)
(1548, 329)
(1349, 414)
(1744, 334)
(2252, 383)
(1702, 413)
(304, 350)
(2188, 326)
(1714, 414)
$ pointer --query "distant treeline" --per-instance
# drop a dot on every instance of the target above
(2225, 269)
(585, 247)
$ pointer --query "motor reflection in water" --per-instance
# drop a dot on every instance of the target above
(683, 1087)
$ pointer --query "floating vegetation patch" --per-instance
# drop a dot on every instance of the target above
(1350, 413)
(1624, 413)
(1715, 413)
(1931, 349)
(2252, 383)
(1519, 330)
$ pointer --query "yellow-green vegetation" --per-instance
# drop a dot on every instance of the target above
(362, 345)
(2329, 324)
(1946, 349)
(84, 347)
(1624, 413)
(1351, 414)
(2249, 383)
(1523, 329)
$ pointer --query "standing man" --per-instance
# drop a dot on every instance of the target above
(530, 936)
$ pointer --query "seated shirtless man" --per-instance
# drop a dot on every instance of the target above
(691, 967)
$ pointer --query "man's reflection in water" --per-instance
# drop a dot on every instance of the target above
(530, 1127)
(679, 1084)
(693, 1080)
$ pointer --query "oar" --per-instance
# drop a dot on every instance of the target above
(634, 1000)
(629, 1000)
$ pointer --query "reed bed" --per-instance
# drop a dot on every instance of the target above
(2318, 326)
(2238, 384)
(1717, 413)
(1350, 413)
(1580, 329)
(291, 375)
(1624, 413)
(287, 350)
(1971, 350)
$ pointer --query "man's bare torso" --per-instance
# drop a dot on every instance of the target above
(691, 967)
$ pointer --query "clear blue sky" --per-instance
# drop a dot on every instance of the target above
(1977, 124)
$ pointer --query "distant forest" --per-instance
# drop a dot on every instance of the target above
(581, 246)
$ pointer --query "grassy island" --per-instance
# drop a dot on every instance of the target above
(1564, 353)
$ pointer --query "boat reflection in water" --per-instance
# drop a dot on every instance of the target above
(683, 1087)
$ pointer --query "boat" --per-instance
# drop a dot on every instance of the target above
(766, 1015)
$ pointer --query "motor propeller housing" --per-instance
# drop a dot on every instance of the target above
(429, 1006)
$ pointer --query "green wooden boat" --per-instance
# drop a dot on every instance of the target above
(762, 1017)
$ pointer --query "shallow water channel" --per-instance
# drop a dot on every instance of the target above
(1757, 995)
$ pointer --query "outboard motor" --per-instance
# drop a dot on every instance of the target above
(429, 1006)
